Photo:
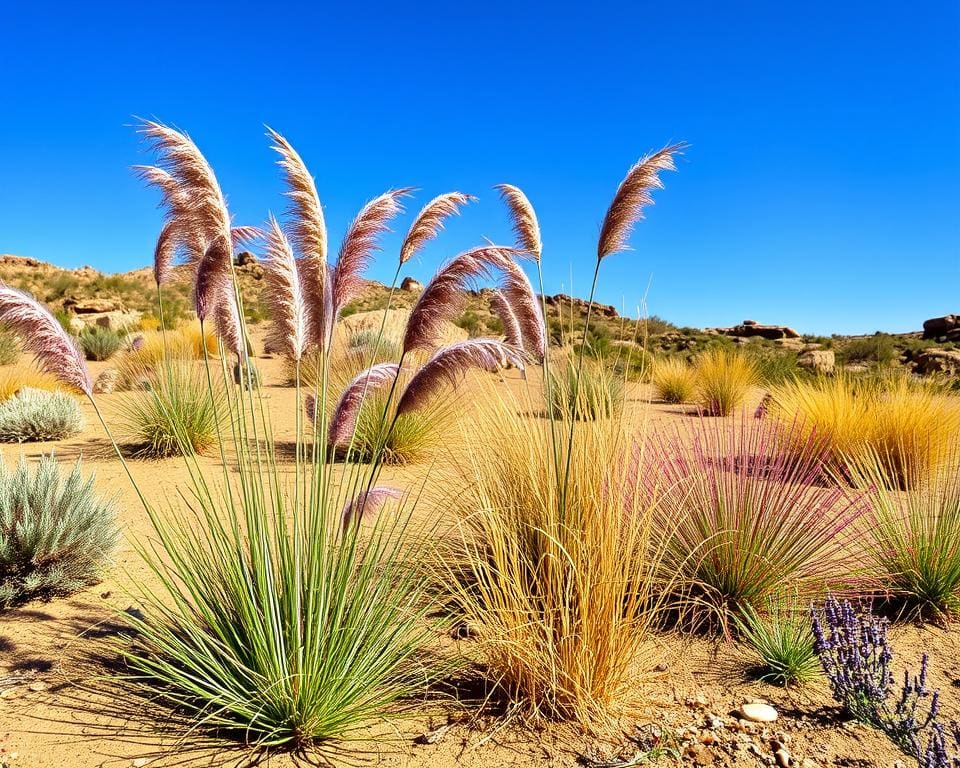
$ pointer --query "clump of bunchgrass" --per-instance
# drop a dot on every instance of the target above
(177, 412)
(723, 381)
(15, 378)
(100, 343)
(674, 380)
(741, 519)
(151, 350)
(910, 428)
(56, 535)
(584, 392)
(559, 585)
(36, 415)
(780, 642)
(914, 537)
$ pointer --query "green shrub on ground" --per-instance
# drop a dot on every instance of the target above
(35, 415)
(585, 395)
(780, 643)
(56, 536)
(100, 343)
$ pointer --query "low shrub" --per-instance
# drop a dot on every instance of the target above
(724, 380)
(56, 535)
(35, 415)
(739, 518)
(586, 394)
(674, 381)
(176, 415)
(100, 343)
(856, 656)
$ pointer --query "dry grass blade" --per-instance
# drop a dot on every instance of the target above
(360, 242)
(430, 220)
(283, 292)
(523, 218)
(633, 195)
(55, 351)
(443, 296)
(451, 363)
(308, 229)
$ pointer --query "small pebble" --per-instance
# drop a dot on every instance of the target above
(38, 686)
(758, 713)
(9, 693)
(782, 757)
(140, 762)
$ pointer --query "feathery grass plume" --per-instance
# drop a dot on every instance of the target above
(52, 347)
(449, 364)
(724, 380)
(914, 538)
(178, 235)
(308, 229)
(430, 220)
(562, 590)
(368, 504)
(245, 235)
(344, 420)
(518, 291)
(511, 326)
(674, 381)
(56, 536)
(523, 218)
(443, 297)
(741, 519)
(284, 295)
(633, 195)
(360, 242)
(212, 278)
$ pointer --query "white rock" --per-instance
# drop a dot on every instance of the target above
(758, 713)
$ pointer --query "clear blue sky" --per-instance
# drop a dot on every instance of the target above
(822, 187)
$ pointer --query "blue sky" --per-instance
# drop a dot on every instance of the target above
(821, 188)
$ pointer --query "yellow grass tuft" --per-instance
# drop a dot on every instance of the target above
(183, 343)
(724, 380)
(910, 428)
(674, 381)
(561, 589)
(13, 378)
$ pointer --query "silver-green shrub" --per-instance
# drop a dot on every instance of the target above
(56, 535)
(35, 415)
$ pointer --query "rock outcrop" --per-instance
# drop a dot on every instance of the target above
(945, 361)
(818, 360)
(946, 328)
(409, 284)
(750, 328)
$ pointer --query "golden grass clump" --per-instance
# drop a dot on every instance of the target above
(152, 347)
(560, 586)
(724, 380)
(17, 377)
(910, 427)
(674, 380)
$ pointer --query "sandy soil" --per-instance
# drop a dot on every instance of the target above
(56, 708)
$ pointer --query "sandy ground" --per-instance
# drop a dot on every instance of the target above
(56, 708)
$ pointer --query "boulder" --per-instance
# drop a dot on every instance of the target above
(818, 360)
(946, 361)
(937, 327)
(91, 306)
(409, 284)
(245, 258)
(107, 382)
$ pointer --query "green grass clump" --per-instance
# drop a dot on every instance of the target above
(100, 343)
(780, 642)
(587, 393)
(176, 416)
(35, 415)
(56, 536)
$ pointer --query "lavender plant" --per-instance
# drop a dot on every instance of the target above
(856, 656)
(936, 754)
